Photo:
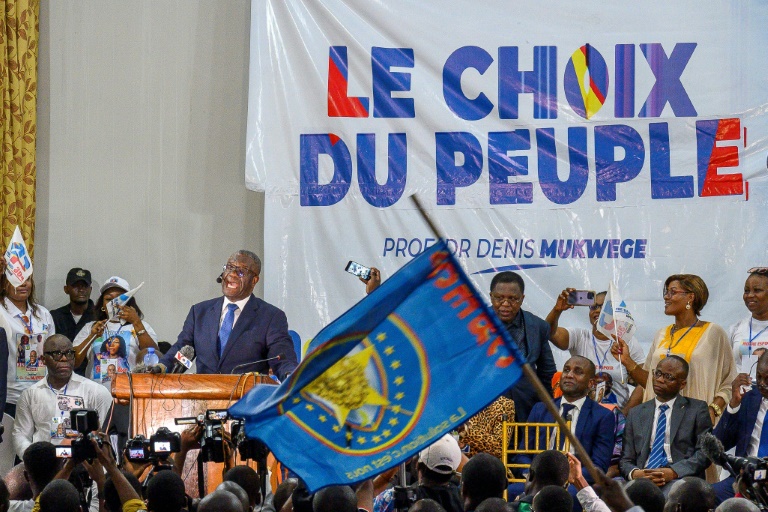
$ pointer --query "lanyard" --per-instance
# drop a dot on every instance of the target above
(751, 339)
(28, 323)
(54, 391)
(671, 336)
(600, 363)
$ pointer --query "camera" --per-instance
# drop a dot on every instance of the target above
(164, 442)
(212, 443)
(138, 449)
(249, 449)
(85, 422)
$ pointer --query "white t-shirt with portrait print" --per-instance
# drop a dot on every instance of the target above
(739, 334)
(41, 326)
(582, 343)
(111, 328)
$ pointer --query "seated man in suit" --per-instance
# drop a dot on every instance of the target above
(236, 332)
(661, 437)
(592, 424)
(743, 423)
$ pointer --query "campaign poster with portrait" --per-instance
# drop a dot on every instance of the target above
(29, 363)
(110, 355)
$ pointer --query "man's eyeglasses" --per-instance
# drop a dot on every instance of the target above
(238, 271)
(57, 355)
(668, 377)
(501, 300)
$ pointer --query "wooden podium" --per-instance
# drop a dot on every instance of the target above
(157, 399)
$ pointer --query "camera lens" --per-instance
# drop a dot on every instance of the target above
(590, 295)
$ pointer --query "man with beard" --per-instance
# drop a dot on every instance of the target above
(47, 403)
(237, 332)
(70, 318)
(591, 423)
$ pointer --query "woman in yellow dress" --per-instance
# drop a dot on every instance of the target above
(704, 345)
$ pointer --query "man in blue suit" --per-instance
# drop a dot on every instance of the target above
(591, 423)
(743, 422)
(236, 332)
(531, 334)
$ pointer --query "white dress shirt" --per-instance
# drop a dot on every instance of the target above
(578, 404)
(754, 440)
(668, 414)
(240, 305)
(38, 405)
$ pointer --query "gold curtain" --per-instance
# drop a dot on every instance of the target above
(19, 32)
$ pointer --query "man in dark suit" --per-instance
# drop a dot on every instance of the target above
(531, 334)
(743, 423)
(591, 423)
(661, 437)
(233, 332)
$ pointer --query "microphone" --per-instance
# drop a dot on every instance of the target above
(183, 359)
(140, 368)
(220, 278)
(714, 450)
(276, 358)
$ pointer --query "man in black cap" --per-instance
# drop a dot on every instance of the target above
(70, 318)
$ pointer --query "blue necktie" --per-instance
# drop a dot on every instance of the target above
(566, 414)
(658, 458)
(762, 450)
(226, 327)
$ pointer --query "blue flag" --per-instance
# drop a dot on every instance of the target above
(410, 362)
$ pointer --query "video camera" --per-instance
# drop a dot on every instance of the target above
(249, 449)
(85, 422)
(155, 449)
(212, 442)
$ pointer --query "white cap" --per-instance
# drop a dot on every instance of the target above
(443, 456)
(115, 282)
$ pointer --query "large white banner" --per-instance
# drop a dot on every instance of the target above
(574, 142)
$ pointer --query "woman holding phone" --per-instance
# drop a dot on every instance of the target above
(592, 344)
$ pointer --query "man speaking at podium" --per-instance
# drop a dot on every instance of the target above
(237, 333)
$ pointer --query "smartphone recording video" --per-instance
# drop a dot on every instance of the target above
(358, 270)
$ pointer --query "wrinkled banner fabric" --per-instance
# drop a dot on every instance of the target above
(577, 143)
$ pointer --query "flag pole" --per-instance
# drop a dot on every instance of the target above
(541, 391)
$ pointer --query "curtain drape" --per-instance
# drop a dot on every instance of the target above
(19, 33)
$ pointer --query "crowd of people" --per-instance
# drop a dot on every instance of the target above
(639, 417)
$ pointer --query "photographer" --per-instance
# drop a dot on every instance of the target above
(437, 464)
(165, 492)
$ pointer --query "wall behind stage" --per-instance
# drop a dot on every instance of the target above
(142, 112)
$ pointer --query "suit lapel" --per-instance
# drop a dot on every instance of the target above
(646, 415)
(584, 415)
(678, 411)
(753, 408)
(243, 323)
(214, 313)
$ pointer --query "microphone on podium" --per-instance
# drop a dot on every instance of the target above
(275, 358)
(184, 359)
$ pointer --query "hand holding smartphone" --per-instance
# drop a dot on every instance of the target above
(358, 270)
(581, 297)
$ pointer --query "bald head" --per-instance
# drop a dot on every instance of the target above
(238, 491)
(737, 505)
(57, 342)
(18, 486)
(220, 501)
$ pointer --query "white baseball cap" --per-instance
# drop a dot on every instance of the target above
(443, 456)
(115, 282)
